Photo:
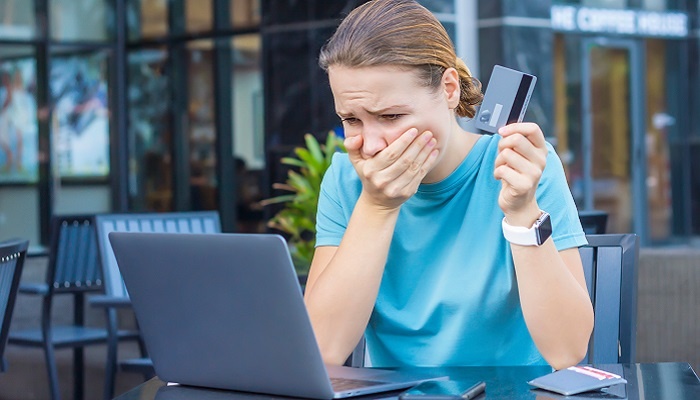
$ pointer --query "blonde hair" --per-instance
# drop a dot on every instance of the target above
(401, 33)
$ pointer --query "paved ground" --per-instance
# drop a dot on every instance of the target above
(26, 377)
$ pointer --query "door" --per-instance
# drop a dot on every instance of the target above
(613, 131)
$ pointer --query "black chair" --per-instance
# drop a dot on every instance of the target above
(12, 254)
(116, 296)
(610, 266)
(593, 222)
(73, 269)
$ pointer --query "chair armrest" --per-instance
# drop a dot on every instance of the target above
(105, 301)
(40, 289)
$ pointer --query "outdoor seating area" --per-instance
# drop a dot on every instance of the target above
(26, 376)
(81, 265)
(349, 199)
(105, 365)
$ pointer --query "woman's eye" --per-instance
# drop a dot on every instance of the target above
(349, 120)
(390, 117)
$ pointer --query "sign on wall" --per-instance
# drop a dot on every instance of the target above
(666, 24)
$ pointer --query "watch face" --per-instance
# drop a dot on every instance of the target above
(544, 229)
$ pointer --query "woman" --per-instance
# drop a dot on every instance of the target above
(410, 227)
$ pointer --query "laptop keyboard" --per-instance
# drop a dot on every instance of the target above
(343, 384)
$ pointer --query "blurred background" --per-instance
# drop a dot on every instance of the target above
(155, 105)
(177, 105)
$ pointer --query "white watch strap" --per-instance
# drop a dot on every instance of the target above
(519, 234)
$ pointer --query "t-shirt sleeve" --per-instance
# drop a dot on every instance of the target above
(330, 220)
(554, 196)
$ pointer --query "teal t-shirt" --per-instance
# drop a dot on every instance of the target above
(449, 294)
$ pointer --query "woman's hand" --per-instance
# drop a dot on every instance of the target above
(522, 156)
(392, 176)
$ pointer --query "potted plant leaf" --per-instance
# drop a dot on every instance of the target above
(298, 217)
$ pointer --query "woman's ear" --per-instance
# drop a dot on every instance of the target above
(450, 84)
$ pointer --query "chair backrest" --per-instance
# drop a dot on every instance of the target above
(12, 254)
(610, 266)
(74, 264)
(593, 222)
(172, 222)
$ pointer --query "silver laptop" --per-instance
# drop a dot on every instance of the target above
(226, 311)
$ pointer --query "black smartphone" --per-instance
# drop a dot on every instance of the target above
(443, 390)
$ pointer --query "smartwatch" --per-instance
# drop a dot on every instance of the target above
(537, 234)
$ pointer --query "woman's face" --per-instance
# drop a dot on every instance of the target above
(380, 103)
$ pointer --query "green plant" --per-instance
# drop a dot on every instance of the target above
(298, 217)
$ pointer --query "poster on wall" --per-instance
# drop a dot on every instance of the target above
(80, 123)
(18, 123)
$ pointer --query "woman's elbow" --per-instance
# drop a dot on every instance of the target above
(333, 356)
(572, 354)
(567, 359)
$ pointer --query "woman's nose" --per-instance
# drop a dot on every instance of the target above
(373, 142)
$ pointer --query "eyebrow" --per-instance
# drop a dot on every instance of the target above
(376, 112)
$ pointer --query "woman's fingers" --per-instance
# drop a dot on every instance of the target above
(408, 160)
(525, 148)
(353, 144)
(520, 163)
(424, 163)
(396, 149)
(406, 184)
(393, 175)
(529, 130)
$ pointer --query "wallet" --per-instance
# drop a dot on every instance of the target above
(577, 379)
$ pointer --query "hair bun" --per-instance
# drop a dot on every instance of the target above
(470, 90)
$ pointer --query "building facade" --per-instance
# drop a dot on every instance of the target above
(618, 96)
(155, 105)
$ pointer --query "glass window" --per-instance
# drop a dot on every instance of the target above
(199, 15)
(81, 19)
(451, 29)
(611, 135)
(530, 8)
(605, 3)
(146, 19)
(660, 126)
(245, 13)
(656, 5)
(17, 19)
(19, 216)
(18, 123)
(248, 117)
(694, 154)
(439, 6)
(248, 100)
(149, 131)
(80, 121)
(202, 133)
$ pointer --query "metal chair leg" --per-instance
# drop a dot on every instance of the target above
(78, 354)
(78, 373)
(52, 372)
(47, 335)
(112, 344)
(110, 372)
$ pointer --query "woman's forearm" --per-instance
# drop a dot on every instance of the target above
(555, 302)
(344, 281)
